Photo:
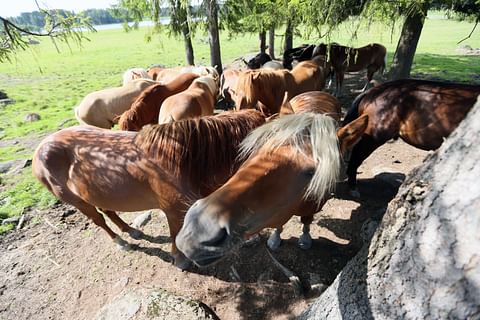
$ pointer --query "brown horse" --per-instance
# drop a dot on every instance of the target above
(313, 101)
(197, 101)
(153, 72)
(163, 166)
(146, 108)
(228, 79)
(345, 59)
(423, 113)
(264, 89)
(303, 152)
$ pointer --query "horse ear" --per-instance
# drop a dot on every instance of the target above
(286, 107)
(350, 134)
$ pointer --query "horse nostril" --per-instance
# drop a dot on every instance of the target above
(218, 239)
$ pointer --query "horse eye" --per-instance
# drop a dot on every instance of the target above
(309, 173)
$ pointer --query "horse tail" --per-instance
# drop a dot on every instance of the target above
(79, 119)
(352, 113)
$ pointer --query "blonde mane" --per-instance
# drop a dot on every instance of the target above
(197, 149)
(135, 73)
(305, 133)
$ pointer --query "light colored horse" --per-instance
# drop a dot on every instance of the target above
(303, 153)
(101, 108)
(145, 109)
(163, 166)
(265, 89)
(135, 73)
(197, 100)
(275, 65)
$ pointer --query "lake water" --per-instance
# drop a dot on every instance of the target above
(120, 25)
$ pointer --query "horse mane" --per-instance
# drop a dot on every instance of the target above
(139, 107)
(305, 133)
(199, 149)
(210, 82)
(352, 113)
(265, 79)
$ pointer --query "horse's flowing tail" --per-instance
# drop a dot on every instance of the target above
(352, 113)
(78, 116)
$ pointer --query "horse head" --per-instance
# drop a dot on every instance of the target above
(303, 151)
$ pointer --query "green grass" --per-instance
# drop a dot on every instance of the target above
(49, 83)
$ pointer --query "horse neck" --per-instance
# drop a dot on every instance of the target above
(270, 91)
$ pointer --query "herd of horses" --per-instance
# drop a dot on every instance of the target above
(216, 175)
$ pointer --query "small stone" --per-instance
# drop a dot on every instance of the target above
(142, 220)
(397, 161)
(32, 117)
(401, 211)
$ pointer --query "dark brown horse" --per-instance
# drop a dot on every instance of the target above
(163, 166)
(345, 59)
(146, 108)
(423, 113)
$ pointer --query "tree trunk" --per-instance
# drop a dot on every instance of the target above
(423, 261)
(188, 44)
(213, 36)
(262, 35)
(407, 44)
(288, 35)
(271, 42)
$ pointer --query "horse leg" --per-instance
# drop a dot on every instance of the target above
(370, 71)
(360, 152)
(175, 224)
(134, 233)
(97, 218)
(339, 77)
(274, 240)
(305, 240)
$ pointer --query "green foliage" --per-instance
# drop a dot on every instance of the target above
(58, 25)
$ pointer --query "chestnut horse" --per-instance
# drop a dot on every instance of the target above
(228, 79)
(154, 71)
(264, 89)
(345, 59)
(197, 101)
(303, 152)
(163, 166)
(146, 107)
(102, 108)
(423, 113)
(313, 101)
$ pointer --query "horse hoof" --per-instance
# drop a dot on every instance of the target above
(136, 234)
(121, 244)
(355, 194)
(182, 263)
(305, 242)
(274, 242)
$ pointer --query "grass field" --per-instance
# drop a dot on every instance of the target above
(49, 83)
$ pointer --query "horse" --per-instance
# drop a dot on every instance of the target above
(421, 112)
(102, 108)
(264, 89)
(258, 60)
(146, 107)
(302, 53)
(154, 71)
(163, 166)
(196, 101)
(135, 73)
(313, 101)
(372, 57)
(303, 152)
(275, 65)
(228, 79)
(168, 74)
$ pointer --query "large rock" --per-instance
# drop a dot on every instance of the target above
(142, 304)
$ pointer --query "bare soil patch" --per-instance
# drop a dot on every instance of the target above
(61, 266)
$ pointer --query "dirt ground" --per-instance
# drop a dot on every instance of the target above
(61, 266)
